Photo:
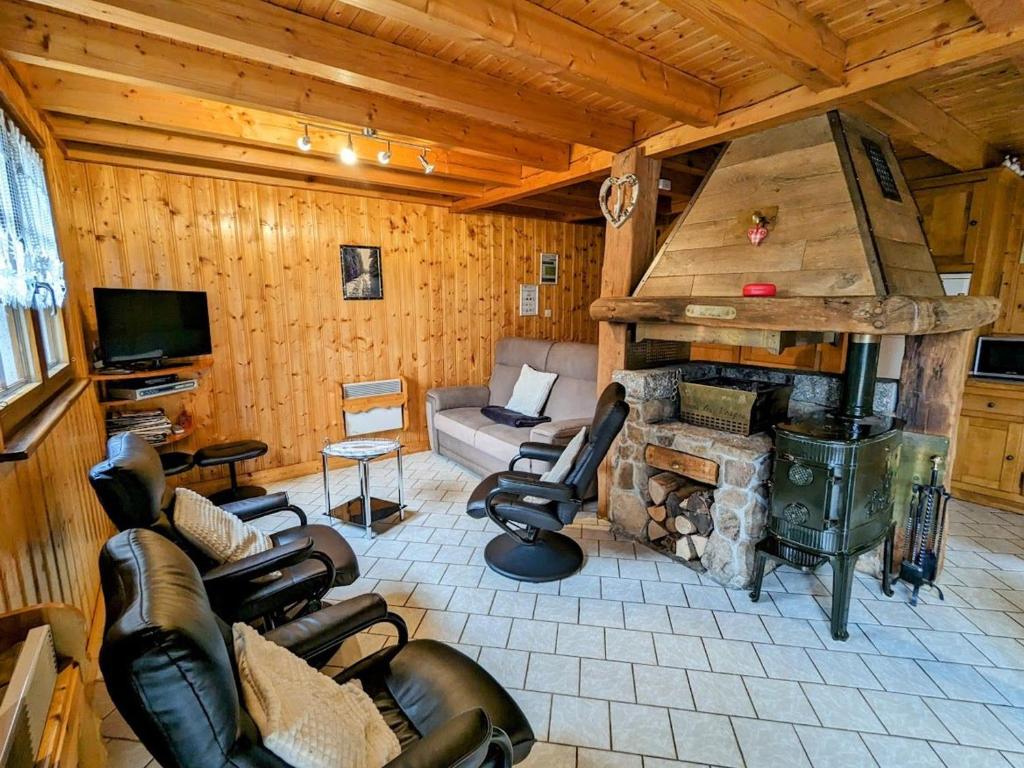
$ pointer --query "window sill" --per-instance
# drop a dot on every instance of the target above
(26, 440)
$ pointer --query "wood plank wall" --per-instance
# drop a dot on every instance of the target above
(284, 340)
(53, 527)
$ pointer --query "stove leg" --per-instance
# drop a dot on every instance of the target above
(842, 585)
(759, 565)
(887, 561)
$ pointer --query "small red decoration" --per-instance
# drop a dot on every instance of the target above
(759, 289)
(759, 231)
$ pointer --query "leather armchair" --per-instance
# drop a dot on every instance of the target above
(133, 491)
(167, 661)
(531, 549)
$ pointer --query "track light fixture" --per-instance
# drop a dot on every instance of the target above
(348, 153)
(428, 167)
(384, 156)
(305, 143)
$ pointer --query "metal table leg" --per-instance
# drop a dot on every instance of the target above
(364, 478)
(327, 487)
(401, 488)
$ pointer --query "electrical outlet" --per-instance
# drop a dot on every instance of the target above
(547, 313)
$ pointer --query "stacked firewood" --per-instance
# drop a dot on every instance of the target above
(680, 514)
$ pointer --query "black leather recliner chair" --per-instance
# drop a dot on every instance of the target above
(531, 549)
(169, 667)
(132, 489)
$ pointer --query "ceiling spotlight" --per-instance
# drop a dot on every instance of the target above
(348, 153)
(384, 156)
(428, 167)
(369, 132)
(305, 143)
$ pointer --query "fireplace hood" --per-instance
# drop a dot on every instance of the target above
(844, 247)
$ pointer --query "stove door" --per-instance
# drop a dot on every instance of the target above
(803, 499)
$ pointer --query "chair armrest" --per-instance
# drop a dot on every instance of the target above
(464, 741)
(261, 506)
(540, 451)
(444, 398)
(558, 432)
(228, 575)
(523, 484)
(326, 629)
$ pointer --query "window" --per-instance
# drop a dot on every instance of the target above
(34, 360)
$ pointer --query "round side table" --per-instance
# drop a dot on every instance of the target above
(353, 511)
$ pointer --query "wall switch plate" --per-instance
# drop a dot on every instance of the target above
(547, 312)
(528, 299)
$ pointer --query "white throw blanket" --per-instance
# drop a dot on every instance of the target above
(303, 716)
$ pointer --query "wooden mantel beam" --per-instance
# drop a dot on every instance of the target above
(69, 93)
(558, 47)
(40, 36)
(778, 32)
(268, 34)
(999, 15)
(885, 316)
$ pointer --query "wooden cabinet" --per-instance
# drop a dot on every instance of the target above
(826, 358)
(989, 465)
(950, 216)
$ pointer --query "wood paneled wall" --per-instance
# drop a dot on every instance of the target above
(52, 527)
(284, 339)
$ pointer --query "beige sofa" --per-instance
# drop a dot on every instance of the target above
(459, 431)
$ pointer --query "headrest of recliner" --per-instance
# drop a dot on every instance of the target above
(164, 657)
(130, 482)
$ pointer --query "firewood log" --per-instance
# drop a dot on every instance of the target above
(661, 485)
(683, 525)
(657, 513)
(655, 531)
(699, 544)
(685, 549)
(670, 523)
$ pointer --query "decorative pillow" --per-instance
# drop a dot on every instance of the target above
(531, 391)
(304, 717)
(216, 533)
(563, 466)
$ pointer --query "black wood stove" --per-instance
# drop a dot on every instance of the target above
(832, 486)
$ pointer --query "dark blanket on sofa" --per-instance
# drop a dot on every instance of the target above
(511, 418)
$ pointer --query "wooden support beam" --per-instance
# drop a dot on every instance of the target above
(70, 93)
(628, 251)
(265, 33)
(88, 153)
(999, 15)
(39, 36)
(590, 166)
(910, 117)
(157, 142)
(778, 32)
(556, 46)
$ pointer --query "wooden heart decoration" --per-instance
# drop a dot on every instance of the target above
(618, 197)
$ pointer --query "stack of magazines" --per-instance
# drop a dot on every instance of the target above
(152, 426)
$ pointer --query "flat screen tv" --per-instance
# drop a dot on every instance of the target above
(140, 326)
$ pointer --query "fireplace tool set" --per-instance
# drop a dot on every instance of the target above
(925, 524)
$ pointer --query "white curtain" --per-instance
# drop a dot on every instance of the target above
(31, 272)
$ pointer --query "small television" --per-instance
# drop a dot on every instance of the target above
(142, 326)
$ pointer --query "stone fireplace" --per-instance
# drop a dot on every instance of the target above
(736, 468)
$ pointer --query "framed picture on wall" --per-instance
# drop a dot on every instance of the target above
(548, 268)
(361, 276)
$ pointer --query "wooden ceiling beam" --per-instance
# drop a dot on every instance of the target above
(999, 15)
(558, 47)
(268, 34)
(40, 36)
(909, 116)
(158, 142)
(83, 96)
(778, 32)
(970, 45)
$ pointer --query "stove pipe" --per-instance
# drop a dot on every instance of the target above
(861, 372)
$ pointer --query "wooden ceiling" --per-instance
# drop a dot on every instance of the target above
(522, 104)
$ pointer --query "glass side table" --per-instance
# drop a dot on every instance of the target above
(353, 511)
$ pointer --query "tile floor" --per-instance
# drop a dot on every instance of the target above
(639, 662)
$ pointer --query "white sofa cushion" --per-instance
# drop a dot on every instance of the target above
(531, 391)
(216, 533)
(304, 717)
(461, 423)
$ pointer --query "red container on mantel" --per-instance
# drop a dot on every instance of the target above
(759, 289)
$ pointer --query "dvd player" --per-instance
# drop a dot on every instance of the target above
(144, 390)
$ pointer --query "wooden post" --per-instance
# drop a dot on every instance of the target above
(628, 251)
(932, 382)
